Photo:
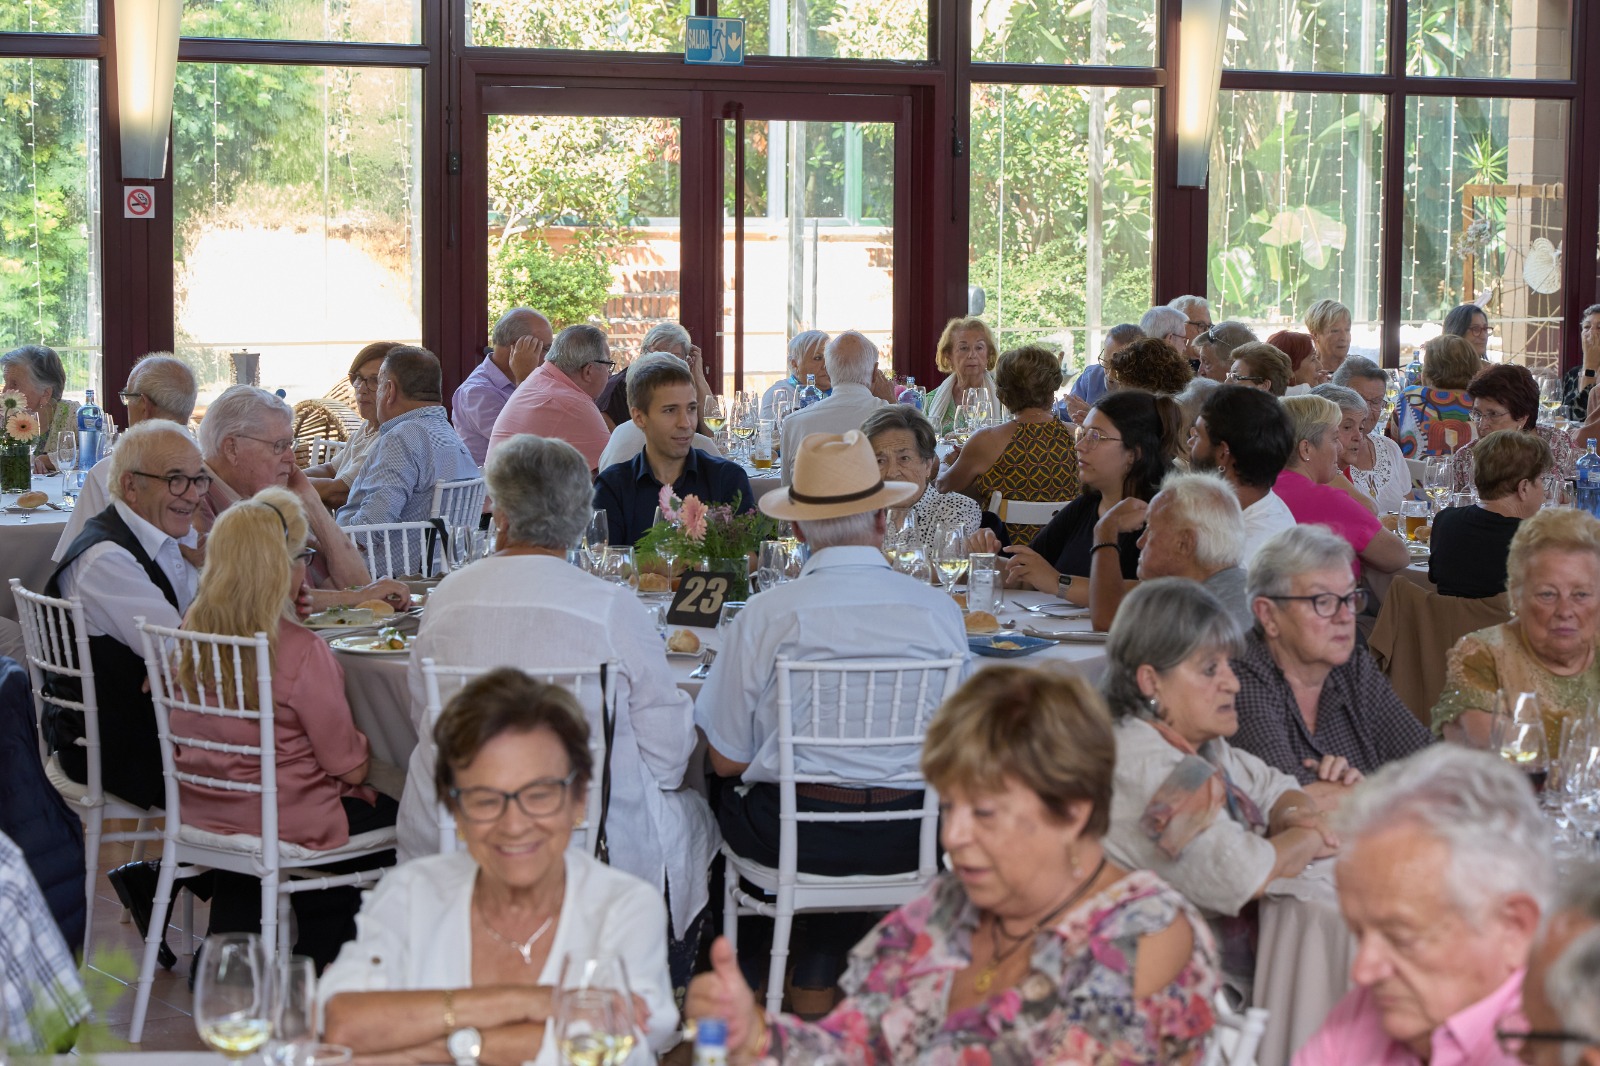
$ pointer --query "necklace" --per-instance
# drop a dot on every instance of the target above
(521, 947)
(985, 976)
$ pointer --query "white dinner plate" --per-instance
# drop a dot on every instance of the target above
(364, 645)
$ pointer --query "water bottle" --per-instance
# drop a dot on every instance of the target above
(711, 1042)
(91, 421)
(1588, 487)
(911, 396)
(810, 394)
(1414, 369)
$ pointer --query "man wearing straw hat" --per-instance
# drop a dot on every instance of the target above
(847, 604)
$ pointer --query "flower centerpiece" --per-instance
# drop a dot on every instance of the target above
(713, 536)
(19, 429)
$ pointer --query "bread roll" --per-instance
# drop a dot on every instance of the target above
(655, 583)
(1424, 534)
(982, 622)
(684, 641)
(379, 608)
(32, 499)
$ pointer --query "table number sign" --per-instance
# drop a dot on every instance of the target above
(699, 599)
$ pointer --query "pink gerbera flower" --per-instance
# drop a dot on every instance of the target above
(22, 426)
(665, 501)
(694, 518)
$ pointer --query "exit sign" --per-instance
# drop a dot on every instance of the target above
(714, 42)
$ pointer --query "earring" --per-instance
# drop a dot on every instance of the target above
(1072, 862)
(1155, 708)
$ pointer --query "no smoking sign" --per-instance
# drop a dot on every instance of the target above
(138, 201)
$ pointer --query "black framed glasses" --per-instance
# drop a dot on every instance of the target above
(535, 799)
(362, 381)
(278, 446)
(1327, 604)
(178, 484)
(305, 556)
(1203, 325)
(607, 363)
(127, 396)
(1512, 1041)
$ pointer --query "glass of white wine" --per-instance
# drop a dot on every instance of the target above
(596, 1023)
(714, 415)
(949, 554)
(233, 994)
(1438, 479)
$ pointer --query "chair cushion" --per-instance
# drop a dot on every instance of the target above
(288, 854)
(65, 785)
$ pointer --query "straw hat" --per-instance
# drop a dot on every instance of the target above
(834, 476)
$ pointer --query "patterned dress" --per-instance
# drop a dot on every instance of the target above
(1432, 421)
(1075, 1006)
(1496, 660)
(1561, 449)
(1040, 465)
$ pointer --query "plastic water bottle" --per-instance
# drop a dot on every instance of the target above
(91, 422)
(1589, 481)
(1414, 369)
(711, 1042)
(810, 394)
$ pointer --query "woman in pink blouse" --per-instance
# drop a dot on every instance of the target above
(1034, 948)
(255, 563)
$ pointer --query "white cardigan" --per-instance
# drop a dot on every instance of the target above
(414, 932)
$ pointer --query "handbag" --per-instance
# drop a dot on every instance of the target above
(608, 731)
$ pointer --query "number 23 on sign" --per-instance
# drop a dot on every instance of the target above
(699, 599)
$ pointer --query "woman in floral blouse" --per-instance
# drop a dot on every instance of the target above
(1035, 949)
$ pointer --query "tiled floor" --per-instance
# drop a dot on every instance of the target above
(168, 1024)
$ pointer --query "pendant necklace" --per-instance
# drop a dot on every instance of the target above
(985, 978)
(521, 947)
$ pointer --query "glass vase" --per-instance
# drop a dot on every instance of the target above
(16, 467)
(739, 590)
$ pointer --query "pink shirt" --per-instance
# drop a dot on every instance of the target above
(550, 404)
(316, 740)
(1353, 1033)
(1313, 504)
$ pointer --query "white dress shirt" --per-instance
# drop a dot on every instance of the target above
(115, 589)
(536, 611)
(627, 440)
(414, 932)
(845, 409)
(1263, 520)
(94, 497)
(847, 604)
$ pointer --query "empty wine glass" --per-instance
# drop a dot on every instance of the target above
(772, 565)
(232, 994)
(617, 565)
(64, 453)
(598, 538)
(294, 1009)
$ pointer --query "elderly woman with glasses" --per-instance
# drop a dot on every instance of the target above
(458, 956)
(1470, 322)
(1260, 366)
(247, 441)
(968, 354)
(1310, 702)
(333, 479)
(1215, 347)
(36, 371)
(1505, 396)
(1214, 822)
(1548, 647)
(1377, 467)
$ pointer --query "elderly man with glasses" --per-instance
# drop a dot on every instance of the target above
(1560, 1022)
(558, 399)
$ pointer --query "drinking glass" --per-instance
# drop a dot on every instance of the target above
(64, 453)
(967, 422)
(598, 538)
(1437, 479)
(772, 565)
(294, 1009)
(1521, 743)
(714, 415)
(596, 1024)
(1414, 516)
(617, 565)
(949, 553)
(1552, 490)
(232, 994)
(1549, 395)
(900, 532)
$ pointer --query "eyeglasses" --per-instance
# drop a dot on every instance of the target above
(1327, 604)
(178, 484)
(361, 381)
(304, 556)
(128, 397)
(535, 799)
(1479, 415)
(1089, 438)
(278, 446)
(1512, 1041)
(601, 362)
(1247, 379)
(1203, 325)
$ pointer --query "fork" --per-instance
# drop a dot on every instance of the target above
(707, 657)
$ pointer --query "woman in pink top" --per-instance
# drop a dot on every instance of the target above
(255, 563)
(1303, 487)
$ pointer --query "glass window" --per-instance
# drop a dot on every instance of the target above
(49, 16)
(1296, 211)
(1484, 220)
(833, 29)
(381, 21)
(49, 212)
(297, 218)
(1490, 38)
(600, 25)
(1060, 211)
(1334, 36)
(1101, 32)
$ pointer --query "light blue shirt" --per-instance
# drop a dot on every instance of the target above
(1090, 385)
(847, 604)
(414, 450)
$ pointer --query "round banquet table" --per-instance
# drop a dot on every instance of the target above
(375, 685)
(28, 539)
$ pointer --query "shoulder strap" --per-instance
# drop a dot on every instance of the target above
(608, 730)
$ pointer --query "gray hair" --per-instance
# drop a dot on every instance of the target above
(1226, 336)
(1125, 333)
(241, 410)
(1358, 368)
(41, 364)
(138, 443)
(542, 486)
(577, 346)
(1295, 551)
(1160, 624)
(851, 529)
(1160, 321)
(892, 416)
(663, 335)
(514, 325)
(1348, 399)
(1572, 985)
(1193, 397)
(1475, 804)
(800, 344)
(850, 357)
(1187, 304)
(1208, 505)
(167, 384)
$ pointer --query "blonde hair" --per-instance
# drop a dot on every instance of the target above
(1450, 362)
(947, 341)
(244, 588)
(1321, 315)
(1561, 529)
(1311, 417)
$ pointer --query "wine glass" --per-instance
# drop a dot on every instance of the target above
(597, 539)
(714, 415)
(232, 994)
(1519, 738)
(64, 453)
(772, 564)
(294, 1009)
(1549, 394)
(1437, 479)
(949, 553)
(596, 1023)
(617, 565)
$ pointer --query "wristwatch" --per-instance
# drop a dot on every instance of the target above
(464, 1046)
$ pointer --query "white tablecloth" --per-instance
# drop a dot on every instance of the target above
(27, 540)
(1302, 960)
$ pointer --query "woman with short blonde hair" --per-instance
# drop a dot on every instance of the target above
(1434, 416)
(968, 353)
(1328, 322)
(1470, 545)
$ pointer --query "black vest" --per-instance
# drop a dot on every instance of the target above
(130, 753)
